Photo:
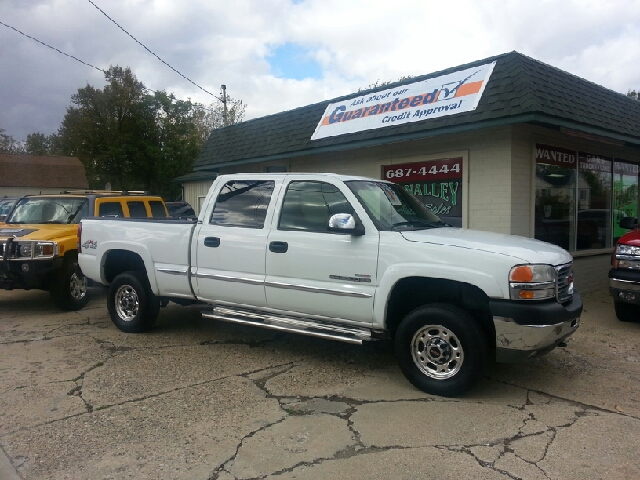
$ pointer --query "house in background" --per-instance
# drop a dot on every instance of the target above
(34, 174)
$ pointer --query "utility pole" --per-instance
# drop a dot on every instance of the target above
(224, 105)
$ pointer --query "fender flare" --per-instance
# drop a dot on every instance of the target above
(397, 272)
(136, 248)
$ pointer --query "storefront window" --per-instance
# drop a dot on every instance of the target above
(625, 194)
(594, 202)
(436, 183)
(555, 208)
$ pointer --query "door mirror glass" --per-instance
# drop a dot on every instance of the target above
(345, 223)
(629, 223)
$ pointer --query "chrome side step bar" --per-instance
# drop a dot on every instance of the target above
(304, 326)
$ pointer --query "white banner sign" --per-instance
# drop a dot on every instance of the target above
(432, 98)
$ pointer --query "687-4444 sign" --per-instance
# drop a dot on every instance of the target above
(444, 168)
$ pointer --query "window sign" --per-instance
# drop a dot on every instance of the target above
(625, 194)
(594, 202)
(555, 205)
(436, 183)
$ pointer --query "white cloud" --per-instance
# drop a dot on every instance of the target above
(356, 42)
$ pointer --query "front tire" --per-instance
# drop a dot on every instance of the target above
(626, 312)
(69, 288)
(440, 349)
(132, 306)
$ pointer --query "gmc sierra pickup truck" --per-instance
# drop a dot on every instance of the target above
(345, 258)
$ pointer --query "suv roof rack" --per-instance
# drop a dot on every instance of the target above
(106, 192)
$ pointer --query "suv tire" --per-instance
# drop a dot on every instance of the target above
(69, 287)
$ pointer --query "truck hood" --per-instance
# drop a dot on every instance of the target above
(37, 232)
(631, 238)
(522, 249)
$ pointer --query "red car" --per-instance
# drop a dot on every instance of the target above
(624, 276)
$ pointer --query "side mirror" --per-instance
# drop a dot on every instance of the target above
(628, 223)
(346, 224)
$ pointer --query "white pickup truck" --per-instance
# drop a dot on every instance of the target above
(344, 258)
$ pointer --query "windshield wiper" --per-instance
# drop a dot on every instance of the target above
(412, 223)
(420, 223)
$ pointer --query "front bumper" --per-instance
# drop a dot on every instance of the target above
(624, 286)
(27, 274)
(525, 329)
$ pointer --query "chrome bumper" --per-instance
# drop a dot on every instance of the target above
(516, 342)
(619, 284)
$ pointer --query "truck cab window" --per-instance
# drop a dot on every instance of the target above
(307, 206)
(243, 203)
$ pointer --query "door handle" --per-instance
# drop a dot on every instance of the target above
(211, 242)
(279, 247)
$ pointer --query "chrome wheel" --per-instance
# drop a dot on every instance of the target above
(437, 352)
(127, 303)
(78, 286)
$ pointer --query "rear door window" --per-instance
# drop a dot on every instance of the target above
(243, 203)
(137, 209)
(110, 209)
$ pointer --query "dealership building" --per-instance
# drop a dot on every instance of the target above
(506, 144)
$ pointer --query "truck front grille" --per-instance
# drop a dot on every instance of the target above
(565, 282)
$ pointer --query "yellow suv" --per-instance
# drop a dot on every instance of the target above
(39, 242)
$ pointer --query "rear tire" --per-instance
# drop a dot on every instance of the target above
(440, 349)
(69, 288)
(627, 312)
(132, 306)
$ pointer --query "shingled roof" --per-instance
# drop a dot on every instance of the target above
(41, 172)
(520, 90)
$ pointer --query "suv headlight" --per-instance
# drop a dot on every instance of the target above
(36, 250)
(532, 282)
(627, 256)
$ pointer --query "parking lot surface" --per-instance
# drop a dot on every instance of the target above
(201, 399)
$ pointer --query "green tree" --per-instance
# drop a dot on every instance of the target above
(132, 138)
(633, 94)
(8, 144)
(210, 117)
(38, 144)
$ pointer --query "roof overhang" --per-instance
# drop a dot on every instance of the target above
(567, 126)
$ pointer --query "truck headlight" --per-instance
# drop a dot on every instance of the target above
(627, 256)
(532, 282)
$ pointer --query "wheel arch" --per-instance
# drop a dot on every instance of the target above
(410, 293)
(117, 261)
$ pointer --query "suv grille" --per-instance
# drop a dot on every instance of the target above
(565, 282)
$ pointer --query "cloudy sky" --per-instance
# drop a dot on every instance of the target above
(277, 55)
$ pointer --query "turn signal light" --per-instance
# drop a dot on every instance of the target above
(522, 273)
(526, 294)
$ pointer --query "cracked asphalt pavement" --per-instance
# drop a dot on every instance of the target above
(202, 399)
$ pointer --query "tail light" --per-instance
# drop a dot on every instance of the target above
(80, 237)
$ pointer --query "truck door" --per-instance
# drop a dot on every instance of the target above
(232, 241)
(311, 270)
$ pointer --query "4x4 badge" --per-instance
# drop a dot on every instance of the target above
(90, 244)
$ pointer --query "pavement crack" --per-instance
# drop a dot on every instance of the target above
(223, 466)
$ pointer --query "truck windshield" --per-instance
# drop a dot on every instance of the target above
(62, 210)
(391, 207)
